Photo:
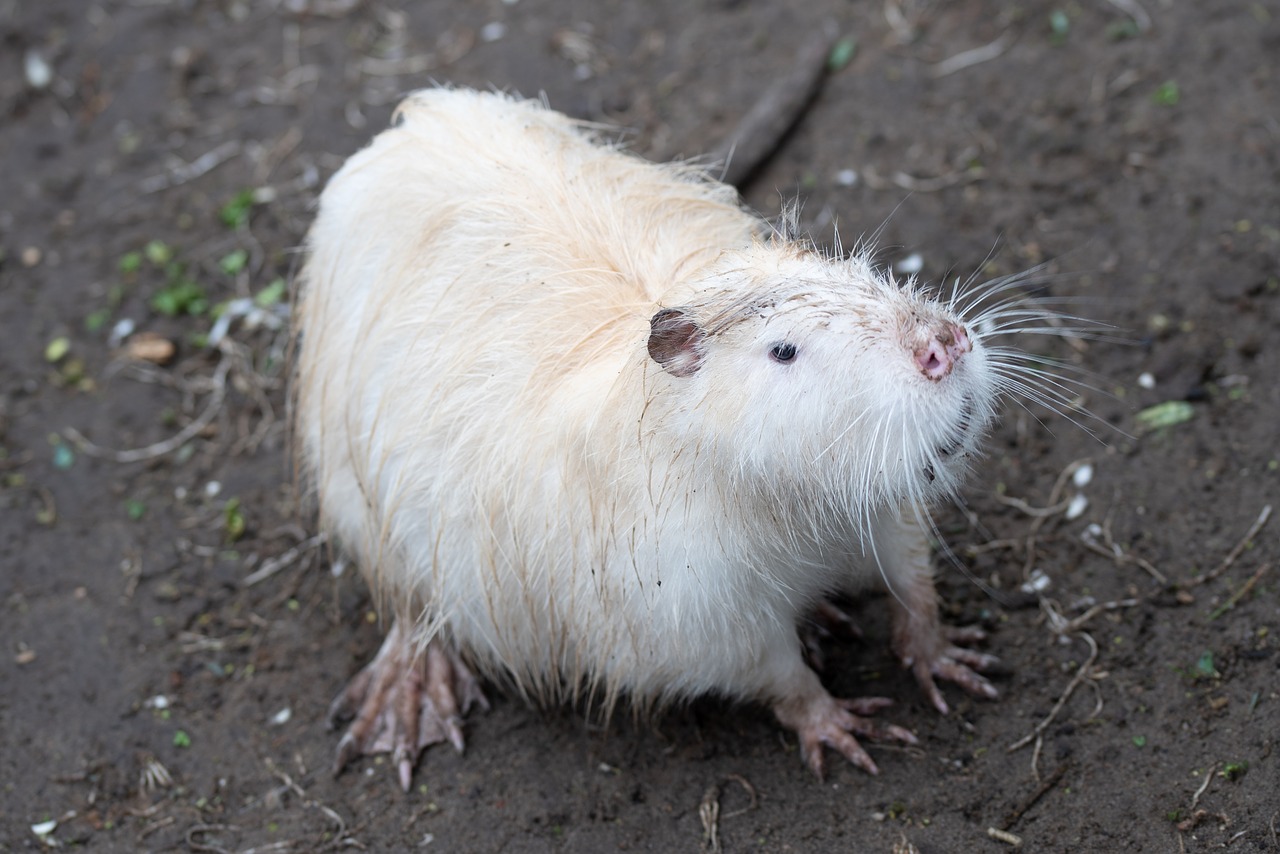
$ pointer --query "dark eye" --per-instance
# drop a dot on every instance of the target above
(783, 352)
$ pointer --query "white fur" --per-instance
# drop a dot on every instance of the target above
(489, 438)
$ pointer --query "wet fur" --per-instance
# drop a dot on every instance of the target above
(489, 438)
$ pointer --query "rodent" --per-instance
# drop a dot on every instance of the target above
(587, 425)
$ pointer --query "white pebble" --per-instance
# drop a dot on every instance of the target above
(1077, 506)
(493, 31)
(846, 177)
(1146, 380)
(44, 828)
(39, 73)
(159, 701)
(212, 488)
(1037, 583)
(1083, 475)
(123, 329)
(282, 716)
(910, 265)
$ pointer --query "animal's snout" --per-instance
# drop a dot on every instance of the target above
(946, 344)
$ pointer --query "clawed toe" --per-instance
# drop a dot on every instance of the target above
(405, 700)
(826, 721)
(935, 656)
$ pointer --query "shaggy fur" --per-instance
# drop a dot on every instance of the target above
(491, 441)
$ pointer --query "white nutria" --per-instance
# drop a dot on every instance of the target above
(587, 425)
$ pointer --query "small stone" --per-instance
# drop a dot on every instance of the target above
(1077, 506)
(38, 71)
(910, 265)
(31, 256)
(150, 347)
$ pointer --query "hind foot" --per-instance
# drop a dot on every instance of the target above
(403, 701)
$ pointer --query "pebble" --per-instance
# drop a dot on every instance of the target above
(910, 265)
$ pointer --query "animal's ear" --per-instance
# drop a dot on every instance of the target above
(676, 342)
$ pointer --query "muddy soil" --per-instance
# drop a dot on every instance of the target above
(172, 634)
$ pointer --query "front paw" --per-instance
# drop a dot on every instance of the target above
(934, 655)
(824, 720)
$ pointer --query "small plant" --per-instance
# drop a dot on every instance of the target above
(179, 297)
(1166, 94)
(235, 213)
(233, 520)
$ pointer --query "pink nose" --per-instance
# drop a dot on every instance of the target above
(945, 347)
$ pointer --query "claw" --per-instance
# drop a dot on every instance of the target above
(955, 664)
(825, 720)
(405, 700)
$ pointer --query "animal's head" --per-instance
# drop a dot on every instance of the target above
(796, 371)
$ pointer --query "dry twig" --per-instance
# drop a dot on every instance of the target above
(1109, 548)
(1239, 594)
(778, 109)
(709, 812)
(1049, 782)
(1081, 673)
(175, 441)
(969, 58)
(1235, 552)
(275, 564)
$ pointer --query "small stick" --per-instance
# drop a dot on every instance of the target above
(1117, 554)
(913, 184)
(709, 813)
(969, 58)
(1040, 792)
(275, 564)
(185, 172)
(1195, 799)
(1076, 624)
(174, 442)
(201, 829)
(1035, 512)
(778, 109)
(1004, 836)
(1239, 594)
(1234, 553)
(1062, 701)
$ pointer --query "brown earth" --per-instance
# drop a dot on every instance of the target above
(1138, 157)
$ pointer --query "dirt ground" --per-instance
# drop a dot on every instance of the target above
(172, 634)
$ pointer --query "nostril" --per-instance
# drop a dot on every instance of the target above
(946, 344)
(934, 360)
